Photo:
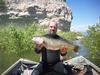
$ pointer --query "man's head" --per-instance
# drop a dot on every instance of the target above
(52, 27)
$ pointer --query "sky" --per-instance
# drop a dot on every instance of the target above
(85, 13)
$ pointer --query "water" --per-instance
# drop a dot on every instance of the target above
(82, 50)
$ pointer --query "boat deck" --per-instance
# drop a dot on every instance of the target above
(75, 66)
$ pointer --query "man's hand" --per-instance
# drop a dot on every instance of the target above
(39, 42)
(63, 50)
(39, 46)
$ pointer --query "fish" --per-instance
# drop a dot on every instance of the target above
(55, 44)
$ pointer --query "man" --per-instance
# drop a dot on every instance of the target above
(50, 58)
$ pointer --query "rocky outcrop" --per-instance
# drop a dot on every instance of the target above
(41, 11)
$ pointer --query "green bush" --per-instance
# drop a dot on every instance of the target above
(15, 40)
(92, 42)
(15, 43)
(71, 36)
(2, 2)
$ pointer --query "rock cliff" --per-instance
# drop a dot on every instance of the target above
(41, 11)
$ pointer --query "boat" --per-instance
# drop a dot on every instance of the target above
(78, 66)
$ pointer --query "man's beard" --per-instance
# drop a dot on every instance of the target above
(52, 33)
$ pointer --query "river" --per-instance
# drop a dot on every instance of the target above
(82, 50)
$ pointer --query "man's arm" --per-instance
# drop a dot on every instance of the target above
(39, 44)
(63, 51)
(39, 48)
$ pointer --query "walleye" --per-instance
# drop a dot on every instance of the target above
(56, 44)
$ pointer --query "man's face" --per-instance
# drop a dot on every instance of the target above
(52, 28)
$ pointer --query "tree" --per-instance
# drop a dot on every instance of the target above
(92, 42)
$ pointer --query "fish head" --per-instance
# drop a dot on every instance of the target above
(37, 40)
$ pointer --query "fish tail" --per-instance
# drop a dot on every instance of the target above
(76, 48)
